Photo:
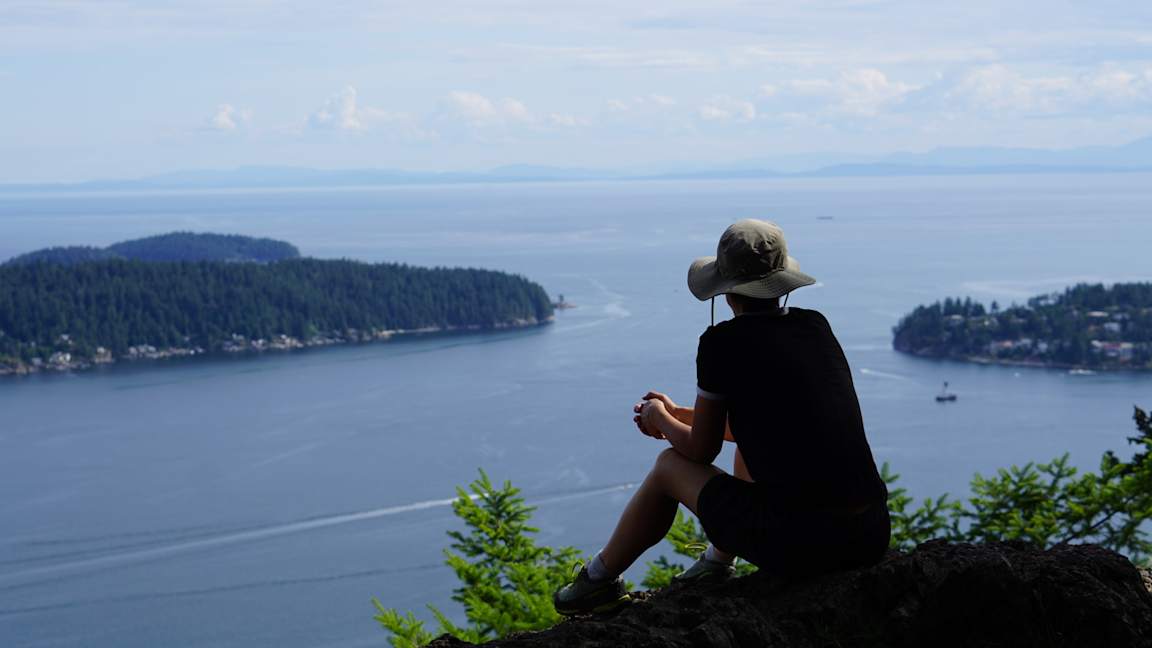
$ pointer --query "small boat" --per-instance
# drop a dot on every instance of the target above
(945, 396)
(1081, 372)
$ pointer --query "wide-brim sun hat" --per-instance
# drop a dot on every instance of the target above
(752, 260)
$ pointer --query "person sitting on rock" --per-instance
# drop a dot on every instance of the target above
(806, 497)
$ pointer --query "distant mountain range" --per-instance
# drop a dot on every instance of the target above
(1133, 157)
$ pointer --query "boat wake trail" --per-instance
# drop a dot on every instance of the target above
(883, 374)
(613, 309)
(237, 587)
(62, 570)
(615, 306)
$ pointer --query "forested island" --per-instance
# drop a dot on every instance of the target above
(67, 314)
(1088, 326)
(175, 246)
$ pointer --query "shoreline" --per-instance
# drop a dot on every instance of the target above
(1031, 364)
(64, 363)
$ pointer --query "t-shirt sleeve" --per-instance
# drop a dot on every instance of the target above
(711, 378)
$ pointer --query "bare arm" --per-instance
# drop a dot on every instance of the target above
(699, 442)
(686, 414)
(739, 469)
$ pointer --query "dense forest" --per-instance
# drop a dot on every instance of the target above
(68, 315)
(1089, 326)
(176, 246)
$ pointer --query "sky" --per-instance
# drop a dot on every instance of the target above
(94, 89)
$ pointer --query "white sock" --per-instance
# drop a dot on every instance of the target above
(597, 571)
(713, 554)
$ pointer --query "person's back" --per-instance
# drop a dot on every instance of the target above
(792, 408)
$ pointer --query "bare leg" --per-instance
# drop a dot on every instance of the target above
(674, 480)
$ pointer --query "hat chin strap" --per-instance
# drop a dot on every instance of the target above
(783, 307)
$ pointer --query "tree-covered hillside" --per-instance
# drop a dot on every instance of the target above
(48, 309)
(68, 254)
(176, 246)
(1088, 326)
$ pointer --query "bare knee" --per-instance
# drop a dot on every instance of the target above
(667, 461)
(680, 478)
(663, 468)
(668, 455)
(671, 466)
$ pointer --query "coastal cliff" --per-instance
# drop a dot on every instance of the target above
(940, 594)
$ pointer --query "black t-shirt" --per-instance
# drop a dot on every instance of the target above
(792, 407)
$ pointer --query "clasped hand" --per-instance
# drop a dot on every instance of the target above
(650, 411)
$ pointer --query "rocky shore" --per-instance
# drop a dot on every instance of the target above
(66, 361)
(1028, 363)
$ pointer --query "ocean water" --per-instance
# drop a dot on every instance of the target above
(264, 501)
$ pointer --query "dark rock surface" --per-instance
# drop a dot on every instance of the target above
(940, 595)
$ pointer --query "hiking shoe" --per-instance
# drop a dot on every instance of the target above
(706, 571)
(584, 596)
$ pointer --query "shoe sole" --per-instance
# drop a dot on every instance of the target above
(603, 607)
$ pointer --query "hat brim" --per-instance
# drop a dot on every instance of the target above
(705, 282)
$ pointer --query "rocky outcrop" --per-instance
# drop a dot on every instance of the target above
(940, 595)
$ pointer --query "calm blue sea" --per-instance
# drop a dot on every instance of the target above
(264, 501)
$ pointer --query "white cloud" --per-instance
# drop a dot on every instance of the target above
(654, 101)
(478, 110)
(489, 116)
(646, 115)
(340, 112)
(725, 108)
(567, 120)
(864, 91)
(623, 57)
(618, 105)
(477, 115)
(1120, 85)
(1001, 88)
(344, 112)
(228, 118)
(845, 54)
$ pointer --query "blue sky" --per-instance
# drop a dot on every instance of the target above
(122, 88)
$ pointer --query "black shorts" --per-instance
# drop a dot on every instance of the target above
(740, 519)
